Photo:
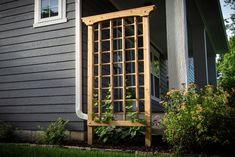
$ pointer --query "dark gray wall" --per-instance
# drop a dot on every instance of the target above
(163, 76)
(37, 65)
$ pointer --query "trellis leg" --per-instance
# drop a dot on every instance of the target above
(136, 65)
(111, 64)
(90, 130)
(147, 80)
(99, 70)
(123, 69)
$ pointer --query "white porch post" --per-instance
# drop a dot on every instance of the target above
(177, 43)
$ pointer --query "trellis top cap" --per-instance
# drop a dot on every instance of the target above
(141, 11)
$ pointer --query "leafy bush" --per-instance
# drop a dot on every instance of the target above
(197, 119)
(6, 132)
(55, 133)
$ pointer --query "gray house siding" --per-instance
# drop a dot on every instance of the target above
(37, 65)
(163, 76)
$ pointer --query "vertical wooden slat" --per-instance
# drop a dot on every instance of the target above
(90, 130)
(136, 64)
(111, 65)
(147, 80)
(99, 70)
(123, 69)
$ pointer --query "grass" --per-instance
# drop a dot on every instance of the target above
(10, 150)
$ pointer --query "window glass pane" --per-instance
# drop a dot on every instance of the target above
(53, 12)
(49, 8)
(45, 13)
(152, 85)
(45, 4)
(157, 93)
(54, 3)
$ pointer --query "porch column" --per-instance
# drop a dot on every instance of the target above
(199, 45)
(212, 72)
(177, 42)
(200, 56)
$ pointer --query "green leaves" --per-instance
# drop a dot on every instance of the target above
(226, 67)
(55, 133)
(115, 134)
(196, 118)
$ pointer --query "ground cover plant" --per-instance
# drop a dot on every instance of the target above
(55, 133)
(6, 132)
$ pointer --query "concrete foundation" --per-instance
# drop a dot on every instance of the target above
(32, 136)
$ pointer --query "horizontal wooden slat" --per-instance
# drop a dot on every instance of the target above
(50, 100)
(12, 4)
(38, 92)
(38, 52)
(31, 30)
(37, 37)
(38, 60)
(38, 84)
(64, 108)
(38, 76)
(38, 68)
(38, 44)
(19, 10)
(38, 117)
(76, 126)
(27, 8)
(116, 123)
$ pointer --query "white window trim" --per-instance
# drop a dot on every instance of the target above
(155, 53)
(61, 18)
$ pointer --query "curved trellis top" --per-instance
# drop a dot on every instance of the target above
(141, 11)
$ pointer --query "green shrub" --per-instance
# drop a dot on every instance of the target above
(6, 132)
(55, 133)
(197, 119)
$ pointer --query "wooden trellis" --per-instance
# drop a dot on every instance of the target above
(119, 59)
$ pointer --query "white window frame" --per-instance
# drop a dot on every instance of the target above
(155, 53)
(61, 18)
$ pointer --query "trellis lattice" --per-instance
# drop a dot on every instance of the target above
(119, 62)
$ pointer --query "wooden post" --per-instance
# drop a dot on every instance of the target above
(111, 64)
(123, 69)
(99, 70)
(147, 80)
(136, 65)
(90, 130)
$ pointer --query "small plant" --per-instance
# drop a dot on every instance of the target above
(6, 132)
(196, 120)
(113, 133)
(55, 133)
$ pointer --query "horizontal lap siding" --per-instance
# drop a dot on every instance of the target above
(163, 77)
(37, 65)
(37, 68)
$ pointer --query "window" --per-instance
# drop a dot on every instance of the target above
(49, 12)
(155, 76)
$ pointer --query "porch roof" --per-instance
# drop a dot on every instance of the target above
(210, 12)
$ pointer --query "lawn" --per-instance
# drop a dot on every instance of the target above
(8, 150)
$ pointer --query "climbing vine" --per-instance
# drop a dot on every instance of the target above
(113, 133)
